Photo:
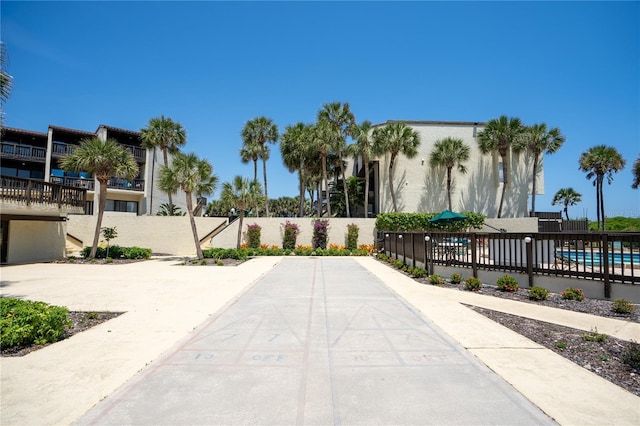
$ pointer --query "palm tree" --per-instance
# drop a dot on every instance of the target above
(341, 120)
(241, 194)
(261, 131)
(394, 139)
(194, 176)
(294, 148)
(363, 148)
(636, 173)
(166, 134)
(450, 152)
(567, 197)
(538, 140)
(103, 159)
(252, 152)
(5, 78)
(322, 143)
(498, 136)
(600, 161)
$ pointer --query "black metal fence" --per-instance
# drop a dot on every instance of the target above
(607, 257)
(30, 191)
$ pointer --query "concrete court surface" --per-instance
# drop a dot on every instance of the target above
(317, 341)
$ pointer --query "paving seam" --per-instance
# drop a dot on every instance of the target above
(154, 368)
(334, 400)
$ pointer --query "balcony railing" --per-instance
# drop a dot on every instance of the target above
(61, 148)
(138, 153)
(30, 191)
(89, 184)
(132, 185)
(16, 151)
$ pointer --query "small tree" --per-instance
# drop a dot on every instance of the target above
(109, 234)
(352, 236)
(320, 233)
(253, 235)
(290, 236)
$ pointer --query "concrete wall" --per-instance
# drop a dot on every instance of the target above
(35, 241)
(162, 234)
(422, 188)
(272, 231)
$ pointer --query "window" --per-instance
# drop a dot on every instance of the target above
(122, 206)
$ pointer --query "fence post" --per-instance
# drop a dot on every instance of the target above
(28, 194)
(529, 253)
(474, 254)
(605, 265)
(413, 251)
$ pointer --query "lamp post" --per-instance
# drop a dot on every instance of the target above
(429, 266)
(529, 254)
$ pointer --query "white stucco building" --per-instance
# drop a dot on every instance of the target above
(421, 188)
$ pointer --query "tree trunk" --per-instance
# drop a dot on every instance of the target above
(393, 194)
(505, 182)
(194, 231)
(166, 164)
(598, 199)
(266, 194)
(566, 211)
(302, 183)
(533, 187)
(344, 186)
(319, 199)
(601, 190)
(153, 169)
(102, 202)
(449, 187)
(326, 186)
(240, 228)
(255, 169)
(366, 186)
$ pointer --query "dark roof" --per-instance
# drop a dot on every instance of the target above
(24, 132)
(72, 131)
(436, 122)
(119, 130)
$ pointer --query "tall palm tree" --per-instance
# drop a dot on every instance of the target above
(5, 78)
(167, 135)
(395, 139)
(103, 159)
(636, 173)
(363, 148)
(600, 161)
(194, 176)
(538, 140)
(294, 148)
(341, 120)
(241, 194)
(450, 152)
(322, 142)
(261, 131)
(567, 197)
(498, 136)
(252, 152)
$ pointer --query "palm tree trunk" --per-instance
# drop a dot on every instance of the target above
(166, 164)
(598, 200)
(319, 197)
(505, 182)
(393, 194)
(266, 193)
(153, 169)
(601, 190)
(240, 228)
(533, 187)
(344, 186)
(366, 186)
(255, 169)
(301, 182)
(566, 211)
(102, 202)
(194, 231)
(449, 187)
(326, 186)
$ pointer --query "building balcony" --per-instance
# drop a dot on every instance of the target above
(29, 192)
(89, 183)
(14, 151)
(60, 149)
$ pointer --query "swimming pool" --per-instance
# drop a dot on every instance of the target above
(594, 258)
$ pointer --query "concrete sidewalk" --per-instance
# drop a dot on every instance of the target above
(347, 342)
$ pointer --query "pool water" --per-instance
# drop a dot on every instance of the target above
(595, 257)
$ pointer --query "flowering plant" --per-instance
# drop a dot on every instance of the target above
(320, 234)
(253, 235)
(290, 235)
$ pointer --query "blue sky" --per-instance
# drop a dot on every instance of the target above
(214, 65)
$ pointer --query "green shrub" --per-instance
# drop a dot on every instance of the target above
(538, 293)
(418, 272)
(561, 345)
(398, 263)
(352, 236)
(136, 253)
(572, 293)
(436, 279)
(472, 284)
(24, 322)
(117, 252)
(253, 235)
(290, 235)
(382, 256)
(507, 283)
(622, 306)
(455, 278)
(594, 336)
(631, 355)
(108, 260)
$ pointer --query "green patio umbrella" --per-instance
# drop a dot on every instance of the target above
(447, 216)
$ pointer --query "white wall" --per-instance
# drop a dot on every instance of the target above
(272, 231)
(421, 188)
(35, 241)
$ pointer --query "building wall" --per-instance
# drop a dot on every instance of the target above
(35, 241)
(422, 188)
(162, 234)
(272, 231)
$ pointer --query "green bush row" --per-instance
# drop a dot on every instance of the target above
(24, 322)
(403, 222)
(117, 252)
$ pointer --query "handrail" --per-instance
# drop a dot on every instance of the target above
(31, 191)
